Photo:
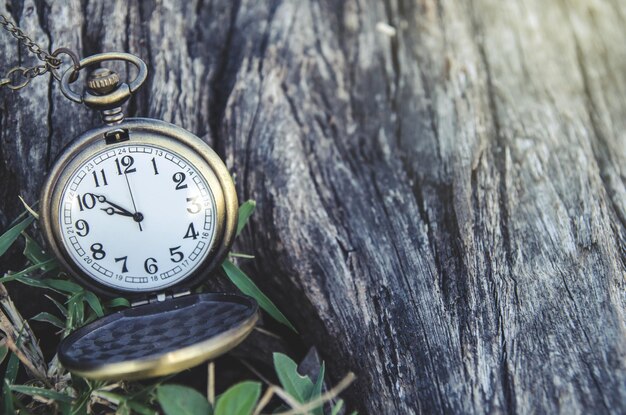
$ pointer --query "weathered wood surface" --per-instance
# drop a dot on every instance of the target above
(442, 210)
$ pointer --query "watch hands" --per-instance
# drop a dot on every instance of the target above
(111, 211)
(103, 199)
(137, 216)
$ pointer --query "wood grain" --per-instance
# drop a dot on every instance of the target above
(440, 185)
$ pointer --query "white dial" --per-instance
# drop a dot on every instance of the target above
(137, 217)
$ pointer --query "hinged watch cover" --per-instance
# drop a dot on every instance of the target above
(159, 338)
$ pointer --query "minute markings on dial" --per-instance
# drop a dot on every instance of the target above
(179, 212)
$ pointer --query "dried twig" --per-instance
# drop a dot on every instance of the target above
(211, 384)
(269, 393)
(18, 332)
(331, 394)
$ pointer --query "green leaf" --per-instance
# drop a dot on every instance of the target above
(245, 211)
(80, 385)
(248, 287)
(123, 409)
(141, 408)
(76, 312)
(181, 400)
(20, 276)
(13, 367)
(239, 399)
(60, 286)
(7, 238)
(118, 302)
(94, 303)
(45, 393)
(7, 397)
(63, 285)
(316, 391)
(298, 386)
(9, 378)
(36, 255)
(60, 306)
(49, 318)
(81, 404)
(337, 407)
(4, 350)
(125, 404)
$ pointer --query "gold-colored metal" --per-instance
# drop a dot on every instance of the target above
(155, 133)
(51, 61)
(102, 81)
(174, 361)
(110, 100)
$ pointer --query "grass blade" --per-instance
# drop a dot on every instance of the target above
(44, 393)
(118, 302)
(8, 238)
(248, 287)
(4, 350)
(49, 318)
(36, 255)
(94, 303)
(245, 211)
(317, 390)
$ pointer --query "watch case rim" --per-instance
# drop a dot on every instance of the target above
(228, 217)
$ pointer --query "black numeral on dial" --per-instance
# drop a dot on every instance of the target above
(179, 179)
(103, 177)
(150, 266)
(82, 227)
(191, 232)
(195, 206)
(176, 255)
(88, 201)
(154, 166)
(123, 260)
(126, 163)
(97, 251)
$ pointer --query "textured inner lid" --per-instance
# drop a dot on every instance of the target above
(152, 330)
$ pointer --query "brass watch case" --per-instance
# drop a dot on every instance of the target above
(156, 133)
(171, 330)
(167, 299)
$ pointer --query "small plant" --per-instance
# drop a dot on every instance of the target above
(50, 389)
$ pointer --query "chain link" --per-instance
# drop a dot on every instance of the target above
(51, 61)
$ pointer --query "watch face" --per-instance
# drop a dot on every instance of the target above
(137, 217)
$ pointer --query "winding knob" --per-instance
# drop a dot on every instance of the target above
(102, 81)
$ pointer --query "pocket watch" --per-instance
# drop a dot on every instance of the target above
(144, 209)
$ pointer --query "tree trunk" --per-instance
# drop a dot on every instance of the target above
(440, 185)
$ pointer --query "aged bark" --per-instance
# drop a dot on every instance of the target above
(440, 185)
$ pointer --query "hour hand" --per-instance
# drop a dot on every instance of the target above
(111, 211)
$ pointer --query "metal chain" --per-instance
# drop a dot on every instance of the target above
(51, 61)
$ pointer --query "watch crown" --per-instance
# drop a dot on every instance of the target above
(102, 81)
